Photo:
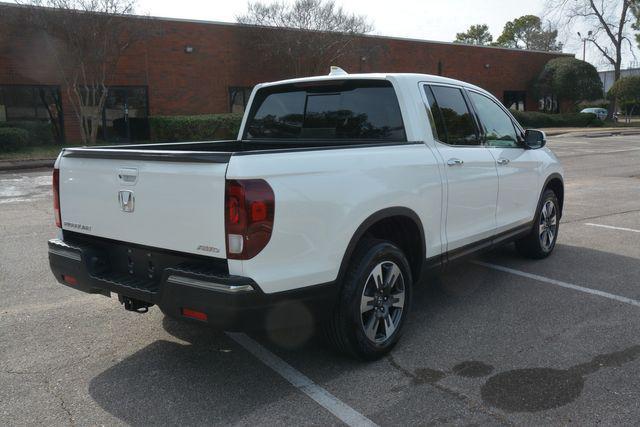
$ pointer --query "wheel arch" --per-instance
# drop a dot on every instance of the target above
(385, 224)
(555, 182)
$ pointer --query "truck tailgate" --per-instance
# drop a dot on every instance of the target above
(175, 204)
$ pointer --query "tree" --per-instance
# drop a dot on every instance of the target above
(86, 38)
(306, 36)
(476, 34)
(608, 21)
(569, 79)
(626, 91)
(527, 32)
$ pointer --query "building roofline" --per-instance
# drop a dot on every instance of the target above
(374, 36)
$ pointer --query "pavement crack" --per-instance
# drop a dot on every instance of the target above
(50, 390)
(573, 221)
(63, 404)
(472, 404)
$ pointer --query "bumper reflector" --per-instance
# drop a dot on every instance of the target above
(70, 279)
(193, 314)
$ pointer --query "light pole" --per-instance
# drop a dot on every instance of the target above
(584, 43)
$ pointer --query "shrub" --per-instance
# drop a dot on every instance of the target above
(39, 132)
(194, 128)
(531, 119)
(13, 139)
(569, 79)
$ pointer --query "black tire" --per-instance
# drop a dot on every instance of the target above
(345, 330)
(533, 245)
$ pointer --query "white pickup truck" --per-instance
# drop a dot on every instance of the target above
(339, 193)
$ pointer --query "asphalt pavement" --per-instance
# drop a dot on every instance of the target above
(497, 340)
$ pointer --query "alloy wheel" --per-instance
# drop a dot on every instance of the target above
(548, 226)
(382, 302)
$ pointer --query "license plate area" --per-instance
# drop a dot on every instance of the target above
(119, 258)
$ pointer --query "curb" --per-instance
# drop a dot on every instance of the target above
(10, 165)
(594, 134)
(612, 133)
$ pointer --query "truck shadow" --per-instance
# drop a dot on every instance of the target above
(208, 378)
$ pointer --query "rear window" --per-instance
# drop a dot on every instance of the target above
(332, 110)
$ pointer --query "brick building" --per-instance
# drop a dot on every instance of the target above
(196, 67)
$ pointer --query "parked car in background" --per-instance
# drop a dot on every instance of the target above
(600, 112)
(339, 193)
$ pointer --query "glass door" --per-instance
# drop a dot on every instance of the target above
(125, 115)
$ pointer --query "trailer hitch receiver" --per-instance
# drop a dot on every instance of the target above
(131, 304)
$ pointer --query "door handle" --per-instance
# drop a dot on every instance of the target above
(502, 161)
(455, 162)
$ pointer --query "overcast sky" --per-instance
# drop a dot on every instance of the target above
(422, 19)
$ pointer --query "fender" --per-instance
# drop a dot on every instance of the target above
(372, 219)
(552, 176)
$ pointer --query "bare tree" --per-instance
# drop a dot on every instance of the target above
(609, 22)
(87, 38)
(305, 36)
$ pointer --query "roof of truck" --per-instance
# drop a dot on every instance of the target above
(402, 78)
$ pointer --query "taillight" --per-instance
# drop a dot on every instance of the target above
(249, 208)
(56, 197)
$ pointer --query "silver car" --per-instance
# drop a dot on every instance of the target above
(600, 112)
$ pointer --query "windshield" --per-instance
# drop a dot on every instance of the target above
(331, 110)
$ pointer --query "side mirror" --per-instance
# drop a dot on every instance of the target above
(534, 138)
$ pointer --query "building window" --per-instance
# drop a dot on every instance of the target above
(125, 117)
(238, 98)
(515, 99)
(43, 103)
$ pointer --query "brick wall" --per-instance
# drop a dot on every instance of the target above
(198, 82)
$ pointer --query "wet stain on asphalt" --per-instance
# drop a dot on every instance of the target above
(427, 376)
(531, 390)
(472, 369)
(539, 389)
(525, 390)
(469, 369)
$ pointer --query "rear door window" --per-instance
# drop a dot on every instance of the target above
(453, 120)
(345, 110)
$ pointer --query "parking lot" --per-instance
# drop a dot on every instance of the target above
(498, 340)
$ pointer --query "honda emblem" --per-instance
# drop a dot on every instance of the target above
(127, 200)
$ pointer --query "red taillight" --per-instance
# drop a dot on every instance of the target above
(70, 279)
(56, 197)
(249, 207)
(193, 314)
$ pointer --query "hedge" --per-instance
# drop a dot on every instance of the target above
(530, 119)
(194, 128)
(39, 132)
(13, 139)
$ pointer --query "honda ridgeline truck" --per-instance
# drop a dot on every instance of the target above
(338, 195)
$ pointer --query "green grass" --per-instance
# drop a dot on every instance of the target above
(33, 153)
(40, 152)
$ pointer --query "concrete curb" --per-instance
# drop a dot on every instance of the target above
(9, 165)
(592, 134)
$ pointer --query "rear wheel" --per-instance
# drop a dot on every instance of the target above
(374, 301)
(544, 233)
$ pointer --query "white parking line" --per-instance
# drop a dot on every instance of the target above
(612, 227)
(344, 412)
(562, 284)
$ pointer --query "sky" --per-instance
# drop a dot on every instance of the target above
(422, 19)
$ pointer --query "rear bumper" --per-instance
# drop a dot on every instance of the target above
(229, 302)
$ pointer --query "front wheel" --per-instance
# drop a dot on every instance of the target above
(539, 243)
(374, 302)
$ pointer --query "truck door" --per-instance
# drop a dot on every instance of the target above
(470, 170)
(518, 168)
